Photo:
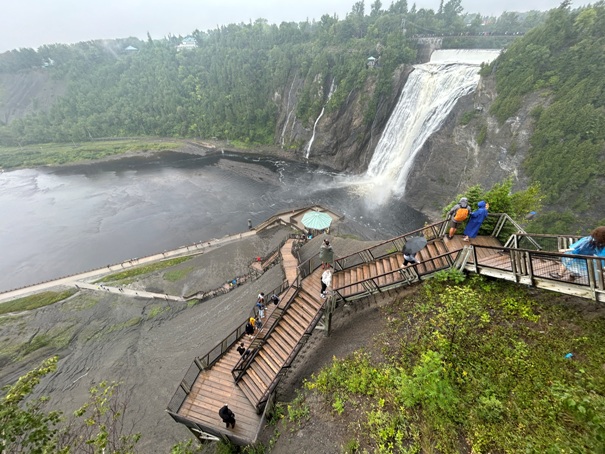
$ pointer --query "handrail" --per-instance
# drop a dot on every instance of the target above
(547, 241)
(431, 227)
(527, 263)
(242, 364)
(448, 258)
(291, 356)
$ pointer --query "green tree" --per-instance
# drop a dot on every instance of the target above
(24, 426)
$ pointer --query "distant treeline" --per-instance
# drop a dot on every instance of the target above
(225, 87)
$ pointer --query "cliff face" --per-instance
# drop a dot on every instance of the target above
(480, 152)
(343, 140)
(461, 154)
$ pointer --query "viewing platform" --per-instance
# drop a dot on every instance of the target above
(248, 384)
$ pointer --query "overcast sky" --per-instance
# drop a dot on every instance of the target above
(31, 23)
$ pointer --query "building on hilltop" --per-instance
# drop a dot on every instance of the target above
(187, 43)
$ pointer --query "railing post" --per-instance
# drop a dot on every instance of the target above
(530, 266)
(590, 265)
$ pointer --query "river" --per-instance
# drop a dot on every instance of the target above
(63, 220)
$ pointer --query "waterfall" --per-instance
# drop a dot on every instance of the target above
(426, 100)
(283, 132)
(332, 88)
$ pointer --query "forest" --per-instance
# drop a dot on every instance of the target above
(228, 87)
(563, 61)
(225, 87)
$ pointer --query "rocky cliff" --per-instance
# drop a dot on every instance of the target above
(343, 140)
(467, 152)
(470, 148)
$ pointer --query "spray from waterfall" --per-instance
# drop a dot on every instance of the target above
(426, 100)
(332, 88)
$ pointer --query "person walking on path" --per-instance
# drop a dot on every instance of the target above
(326, 281)
(594, 244)
(260, 307)
(243, 351)
(459, 213)
(474, 223)
(227, 416)
(275, 299)
(250, 328)
(326, 254)
(409, 259)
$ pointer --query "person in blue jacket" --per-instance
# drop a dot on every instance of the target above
(476, 219)
(594, 245)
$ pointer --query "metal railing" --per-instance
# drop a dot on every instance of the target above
(430, 232)
(540, 241)
(396, 278)
(527, 265)
(206, 361)
(299, 345)
(239, 369)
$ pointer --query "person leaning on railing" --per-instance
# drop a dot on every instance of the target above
(594, 244)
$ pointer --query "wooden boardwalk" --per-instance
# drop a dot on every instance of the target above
(388, 271)
(272, 349)
(247, 385)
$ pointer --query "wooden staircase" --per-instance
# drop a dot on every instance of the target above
(387, 271)
(278, 346)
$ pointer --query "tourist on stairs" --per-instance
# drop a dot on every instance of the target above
(475, 221)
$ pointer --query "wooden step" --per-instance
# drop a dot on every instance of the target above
(262, 357)
(265, 369)
(276, 355)
(252, 381)
(370, 270)
(283, 336)
(247, 389)
(303, 311)
(293, 325)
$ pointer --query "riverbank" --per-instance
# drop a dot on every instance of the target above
(102, 150)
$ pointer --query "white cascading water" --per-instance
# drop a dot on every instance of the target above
(332, 88)
(426, 100)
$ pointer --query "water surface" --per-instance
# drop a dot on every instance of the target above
(59, 221)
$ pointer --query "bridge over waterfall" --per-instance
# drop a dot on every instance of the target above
(248, 384)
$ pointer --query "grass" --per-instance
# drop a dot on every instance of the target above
(57, 337)
(58, 154)
(129, 274)
(177, 275)
(473, 366)
(36, 301)
(80, 303)
(157, 310)
(127, 324)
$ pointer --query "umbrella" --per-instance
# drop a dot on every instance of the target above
(414, 245)
(316, 220)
